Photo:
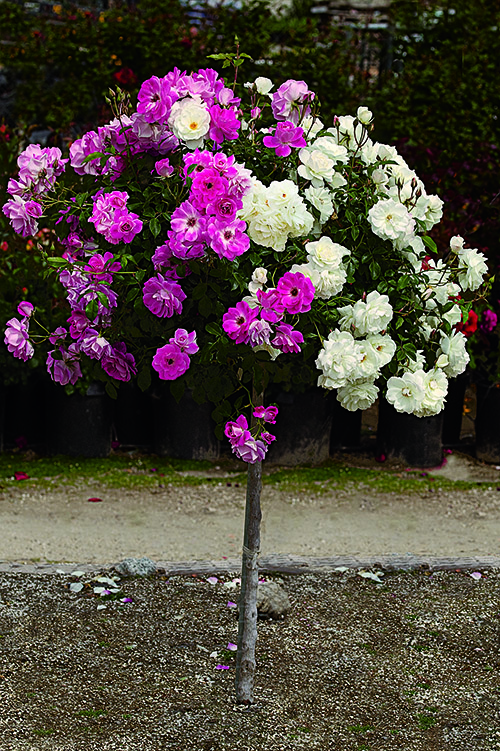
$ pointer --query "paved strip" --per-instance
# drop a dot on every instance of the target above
(285, 564)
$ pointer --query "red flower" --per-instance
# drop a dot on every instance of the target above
(470, 326)
(21, 476)
(125, 77)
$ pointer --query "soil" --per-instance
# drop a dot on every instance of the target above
(410, 664)
(374, 660)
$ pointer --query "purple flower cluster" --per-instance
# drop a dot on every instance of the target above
(172, 360)
(208, 218)
(243, 443)
(112, 219)
(253, 323)
(149, 129)
(89, 283)
(38, 171)
(17, 333)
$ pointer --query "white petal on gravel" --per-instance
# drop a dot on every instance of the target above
(230, 585)
(78, 573)
(102, 607)
(370, 575)
(99, 590)
(76, 587)
(341, 569)
(214, 654)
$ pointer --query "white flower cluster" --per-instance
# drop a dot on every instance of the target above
(275, 213)
(324, 267)
(351, 364)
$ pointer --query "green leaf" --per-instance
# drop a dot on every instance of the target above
(155, 227)
(177, 389)
(199, 291)
(103, 298)
(144, 378)
(214, 329)
(111, 390)
(56, 262)
(429, 242)
(375, 269)
(205, 306)
(92, 309)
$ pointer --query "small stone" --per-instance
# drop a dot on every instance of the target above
(136, 567)
(272, 600)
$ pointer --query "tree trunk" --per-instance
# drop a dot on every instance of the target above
(247, 624)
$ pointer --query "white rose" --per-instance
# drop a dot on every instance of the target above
(472, 268)
(456, 243)
(383, 346)
(406, 394)
(328, 146)
(338, 359)
(325, 254)
(263, 85)
(326, 283)
(321, 199)
(454, 347)
(259, 279)
(435, 386)
(391, 221)
(190, 121)
(316, 166)
(360, 395)
(372, 316)
(364, 115)
(311, 127)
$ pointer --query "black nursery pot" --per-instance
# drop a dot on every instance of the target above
(302, 427)
(488, 422)
(79, 425)
(184, 429)
(417, 441)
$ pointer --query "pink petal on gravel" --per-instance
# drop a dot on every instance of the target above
(212, 580)
(232, 647)
(231, 604)
(476, 575)
(126, 599)
(222, 667)
(95, 500)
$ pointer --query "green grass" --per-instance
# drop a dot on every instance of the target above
(145, 471)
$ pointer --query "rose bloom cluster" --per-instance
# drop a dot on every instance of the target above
(259, 320)
(246, 446)
(255, 192)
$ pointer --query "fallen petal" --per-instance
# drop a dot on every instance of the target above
(95, 500)
(232, 647)
(212, 580)
(76, 587)
(476, 575)
(21, 476)
(231, 604)
(222, 667)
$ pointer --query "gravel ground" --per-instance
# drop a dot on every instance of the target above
(410, 664)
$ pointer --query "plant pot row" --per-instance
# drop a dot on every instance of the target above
(311, 425)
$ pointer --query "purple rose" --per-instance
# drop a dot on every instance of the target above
(162, 296)
(25, 309)
(251, 451)
(228, 240)
(170, 362)
(65, 370)
(23, 215)
(268, 414)
(488, 320)
(287, 99)
(185, 341)
(296, 292)
(118, 363)
(125, 227)
(224, 124)
(287, 339)
(17, 339)
(285, 137)
(237, 320)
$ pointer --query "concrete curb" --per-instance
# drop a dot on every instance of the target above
(286, 564)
